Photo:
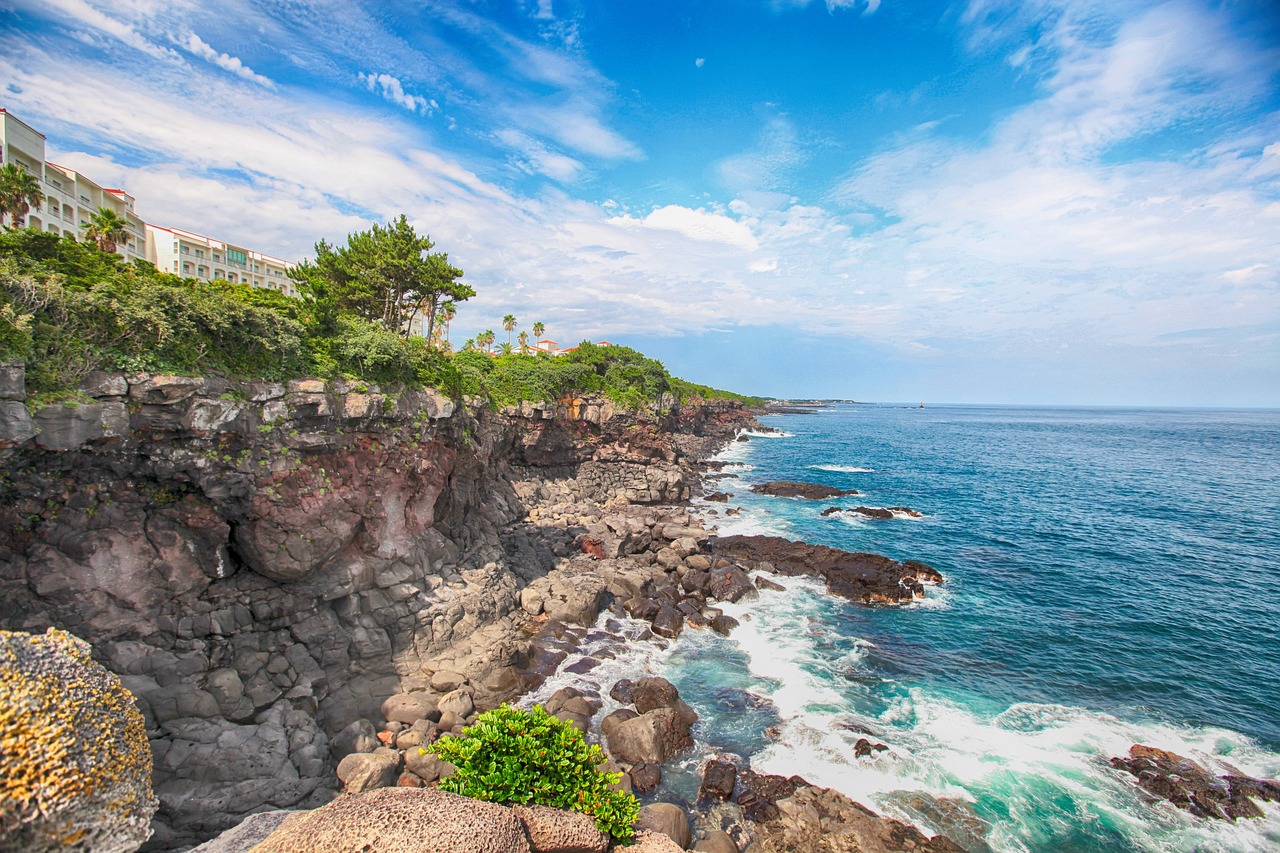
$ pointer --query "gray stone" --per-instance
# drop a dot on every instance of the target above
(102, 384)
(651, 738)
(13, 381)
(246, 836)
(360, 736)
(425, 765)
(67, 427)
(164, 390)
(15, 422)
(446, 681)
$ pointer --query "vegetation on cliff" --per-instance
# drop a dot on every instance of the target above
(532, 758)
(68, 308)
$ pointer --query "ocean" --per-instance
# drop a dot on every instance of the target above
(1112, 577)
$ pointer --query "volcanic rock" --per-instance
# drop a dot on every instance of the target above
(865, 578)
(1190, 786)
(794, 489)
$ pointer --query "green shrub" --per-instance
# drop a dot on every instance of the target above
(530, 757)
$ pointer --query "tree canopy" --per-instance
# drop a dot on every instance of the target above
(387, 274)
(19, 192)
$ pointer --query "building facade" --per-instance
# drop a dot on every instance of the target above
(70, 197)
(193, 255)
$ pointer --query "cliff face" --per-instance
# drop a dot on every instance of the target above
(264, 564)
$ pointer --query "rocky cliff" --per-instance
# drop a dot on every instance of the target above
(264, 564)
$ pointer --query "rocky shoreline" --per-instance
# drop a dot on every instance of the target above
(304, 583)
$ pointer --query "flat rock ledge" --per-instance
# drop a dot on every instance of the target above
(794, 489)
(860, 577)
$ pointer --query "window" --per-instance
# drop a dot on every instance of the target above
(217, 274)
(199, 253)
(215, 257)
(186, 267)
(235, 256)
(186, 250)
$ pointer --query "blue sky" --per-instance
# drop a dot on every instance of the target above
(1041, 201)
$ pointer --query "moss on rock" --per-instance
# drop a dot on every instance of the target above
(75, 766)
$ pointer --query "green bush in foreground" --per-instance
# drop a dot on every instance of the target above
(530, 757)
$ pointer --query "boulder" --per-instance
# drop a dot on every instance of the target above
(614, 719)
(819, 819)
(364, 771)
(67, 427)
(556, 831)
(250, 833)
(458, 702)
(409, 708)
(15, 422)
(729, 584)
(718, 780)
(716, 841)
(650, 738)
(668, 819)
(425, 765)
(445, 681)
(73, 750)
(648, 694)
(402, 820)
(723, 624)
(645, 777)
(793, 489)
(360, 736)
(668, 622)
(621, 690)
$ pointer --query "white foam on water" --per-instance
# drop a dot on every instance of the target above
(1046, 764)
(844, 469)
(758, 434)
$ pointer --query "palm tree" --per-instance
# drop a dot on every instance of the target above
(538, 329)
(486, 339)
(447, 312)
(523, 338)
(107, 228)
(505, 348)
(19, 192)
(509, 323)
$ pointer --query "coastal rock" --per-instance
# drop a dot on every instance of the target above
(649, 694)
(668, 819)
(653, 842)
(557, 831)
(361, 771)
(650, 738)
(795, 489)
(645, 777)
(1191, 787)
(825, 821)
(716, 841)
(409, 708)
(729, 584)
(15, 422)
(241, 839)
(74, 760)
(402, 820)
(719, 777)
(860, 577)
(360, 736)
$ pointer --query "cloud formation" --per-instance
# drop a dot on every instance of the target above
(393, 90)
(202, 49)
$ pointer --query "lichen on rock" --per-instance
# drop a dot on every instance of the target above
(75, 767)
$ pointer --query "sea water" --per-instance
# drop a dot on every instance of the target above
(1112, 577)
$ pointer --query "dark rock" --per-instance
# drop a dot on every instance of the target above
(1189, 786)
(621, 690)
(668, 622)
(67, 427)
(729, 584)
(652, 693)
(723, 624)
(758, 794)
(793, 489)
(15, 422)
(719, 778)
(865, 578)
(717, 497)
(578, 667)
(764, 583)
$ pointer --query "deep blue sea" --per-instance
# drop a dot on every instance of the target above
(1113, 577)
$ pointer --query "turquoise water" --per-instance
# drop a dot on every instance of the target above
(1113, 576)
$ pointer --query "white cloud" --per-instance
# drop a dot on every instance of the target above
(534, 157)
(699, 62)
(696, 225)
(393, 90)
(200, 48)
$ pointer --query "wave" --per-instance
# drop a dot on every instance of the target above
(1038, 774)
(848, 516)
(758, 434)
(844, 469)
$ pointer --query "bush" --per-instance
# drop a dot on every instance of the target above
(530, 757)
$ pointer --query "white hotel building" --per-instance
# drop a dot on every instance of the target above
(71, 198)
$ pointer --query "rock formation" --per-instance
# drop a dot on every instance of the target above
(1191, 787)
(75, 770)
(808, 491)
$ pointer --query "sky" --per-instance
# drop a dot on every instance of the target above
(1033, 201)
